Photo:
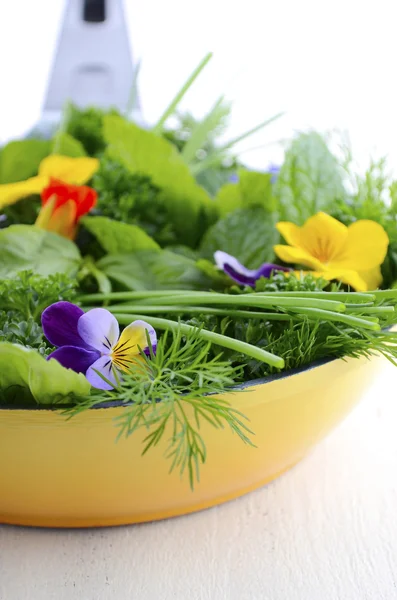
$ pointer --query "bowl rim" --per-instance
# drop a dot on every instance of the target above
(239, 387)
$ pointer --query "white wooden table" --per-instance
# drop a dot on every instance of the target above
(325, 531)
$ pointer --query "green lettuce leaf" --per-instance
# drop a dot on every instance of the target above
(66, 145)
(20, 159)
(26, 247)
(154, 270)
(309, 181)
(26, 377)
(249, 234)
(116, 237)
(189, 207)
(253, 189)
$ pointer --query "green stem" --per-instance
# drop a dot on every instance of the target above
(385, 294)
(370, 310)
(62, 128)
(203, 310)
(144, 294)
(248, 300)
(210, 336)
(325, 315)
(158, 128)
(141, 295)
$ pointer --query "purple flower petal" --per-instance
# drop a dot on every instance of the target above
(103, 365)
(77, 359)
(232, 267)
(99, 329)
(59, 322)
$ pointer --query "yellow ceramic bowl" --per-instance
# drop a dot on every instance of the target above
(59, 473)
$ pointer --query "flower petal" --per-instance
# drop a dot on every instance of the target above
(77, 359)
(373, 278)
(297, 256)
(72, 170)
(348, 277)
(232, 267)
(323, 237)
(12, 192)
(291, 233)
(59, 322)
(105, 366)
(131, 340)
(365, 247)
(61, 220)
(99, 329)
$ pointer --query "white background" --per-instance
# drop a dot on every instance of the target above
(329, 65)
(328, 529)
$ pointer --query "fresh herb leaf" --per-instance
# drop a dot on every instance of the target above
(20, 159)
(86, 126)
(188, 206)
(25, 247)
(252, 189)
(154, 270)
(310, 180)
(187, 380)
(116, 237)
(248, 234)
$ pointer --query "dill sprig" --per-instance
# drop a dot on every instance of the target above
(170, 393)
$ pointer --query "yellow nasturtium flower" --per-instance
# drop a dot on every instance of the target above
(75, 171)
(352, 255)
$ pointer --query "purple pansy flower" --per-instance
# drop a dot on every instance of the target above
(91, 341)
(232, 267)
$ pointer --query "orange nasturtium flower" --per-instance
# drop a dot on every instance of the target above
(352, 255)
(63, 205)
(76, 171)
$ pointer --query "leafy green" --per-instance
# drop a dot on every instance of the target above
(20, 159)
(309, 181)
(116, 237)
(22, 300)
(248, 234)
(27, 378)
(368, 201)
(66, 145)
(134, 199)
(29, 293)
(25, 247)
(253, 189)
(154, 270)
(188, 206)
(86, 126)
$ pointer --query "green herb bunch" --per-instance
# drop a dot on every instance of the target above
(170, 393)
(22, 301)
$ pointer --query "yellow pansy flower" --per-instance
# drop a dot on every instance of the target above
(352, 255)
(64, 168)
